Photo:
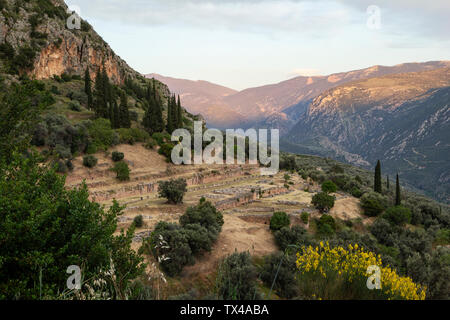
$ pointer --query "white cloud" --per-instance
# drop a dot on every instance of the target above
(430, 17)
(262, 16)
(305, 72)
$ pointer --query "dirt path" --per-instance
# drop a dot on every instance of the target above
(239, 235)
(347, 209)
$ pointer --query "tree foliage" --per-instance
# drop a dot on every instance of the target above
(45, 228)
(377, 179)
(279, 220)
(173, 190)
(373, 204)
(323, 201)
(329, 186)
(236, 279)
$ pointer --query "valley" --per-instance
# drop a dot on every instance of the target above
(87, 182)
(246, 199)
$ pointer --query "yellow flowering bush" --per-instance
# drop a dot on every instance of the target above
(341, 273)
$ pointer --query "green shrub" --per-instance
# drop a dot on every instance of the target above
(326, 226)
(138, 221)
(323, 201)
(80, 97)
(91, 148)
(75, 106)
(69, 165)
(151, 144)
(54, 89)
(305, 217)
(66, 77)
(279, 220)
(443, 237)
(62, 151)
(89, 161)
(85, 26)
(169, 243)
(236, 279)
(384, 232)
(200, 239)
(329, 187)
(288, 163)
(101, 133)
(25, 58)
(295, 236)
(166, 150)
(132, 135)
(198, 230)
(204, 214)
(336, 168)
(373, 203)
(50, 227)
(60, 167)
(398, 215)
(117, 156)
(122, 171)
(160, 138)
(356, 192)
(280, 271)
(173, 190)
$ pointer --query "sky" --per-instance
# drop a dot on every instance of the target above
(248, 43)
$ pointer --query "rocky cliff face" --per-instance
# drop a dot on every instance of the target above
(41, 26)
(402, 119)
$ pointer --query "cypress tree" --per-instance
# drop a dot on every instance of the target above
(398, 200)
(146, 121)
(153, 120)
(170, 120)
(377, 180)
(387, 182)
(179, 114)
(174, 112)
(108, 96)
(116, 115)
(103, 95)
(124, 114)
(88, 88)
(98, 94)
(159, 123)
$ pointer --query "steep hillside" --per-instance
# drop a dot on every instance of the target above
(83, 112)
(35, 39)
(402, 119)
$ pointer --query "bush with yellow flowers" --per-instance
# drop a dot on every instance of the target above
(342, 273)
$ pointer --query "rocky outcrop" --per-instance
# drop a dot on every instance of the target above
(58, 49)
(73, 55)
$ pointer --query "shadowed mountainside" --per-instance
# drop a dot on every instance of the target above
(402, 119)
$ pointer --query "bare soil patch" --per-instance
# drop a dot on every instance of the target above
(237, 235)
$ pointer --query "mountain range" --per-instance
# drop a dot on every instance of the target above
(402, 119)
(397, 114)
(276, 105)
